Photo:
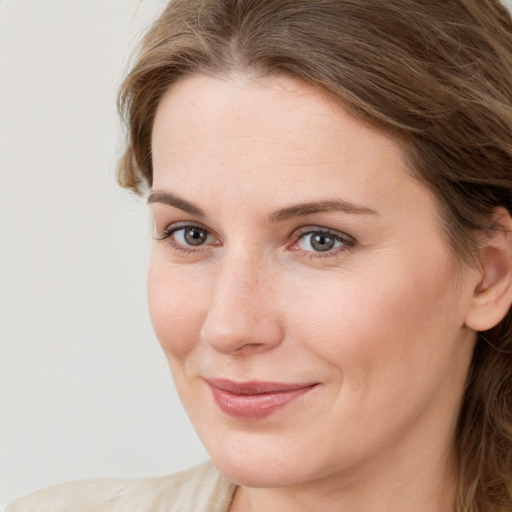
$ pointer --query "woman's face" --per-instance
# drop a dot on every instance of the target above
(300, 285)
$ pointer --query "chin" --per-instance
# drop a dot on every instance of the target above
(263, 466)
(254, 474)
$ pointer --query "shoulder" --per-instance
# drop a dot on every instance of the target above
(93, 495)
(199, 489)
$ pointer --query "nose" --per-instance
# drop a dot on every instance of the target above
(242, 317)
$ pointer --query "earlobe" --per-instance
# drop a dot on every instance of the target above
(492, 296)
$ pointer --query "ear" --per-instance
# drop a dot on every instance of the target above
(492, 296)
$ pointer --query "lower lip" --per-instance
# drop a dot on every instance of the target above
(255, 406)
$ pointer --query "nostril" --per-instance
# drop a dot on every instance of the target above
(240, 337)
(250, 348)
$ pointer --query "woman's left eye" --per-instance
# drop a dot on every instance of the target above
(323, 241)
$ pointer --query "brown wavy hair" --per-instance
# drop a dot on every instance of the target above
(437, 74)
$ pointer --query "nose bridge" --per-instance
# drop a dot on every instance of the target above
(241, 312)
(238, 285)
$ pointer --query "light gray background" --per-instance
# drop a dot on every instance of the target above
(84, 387)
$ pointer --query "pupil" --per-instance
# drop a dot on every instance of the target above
(322, 242)
(195, 236)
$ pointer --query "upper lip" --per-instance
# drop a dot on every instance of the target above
(256, 387)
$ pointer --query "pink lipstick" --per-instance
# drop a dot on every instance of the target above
(254, 400)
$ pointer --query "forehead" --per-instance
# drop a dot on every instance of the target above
(239, 105)
(241, 135)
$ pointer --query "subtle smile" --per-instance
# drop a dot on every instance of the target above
(254, 400)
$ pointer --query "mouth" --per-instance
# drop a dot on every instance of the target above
(255, 400)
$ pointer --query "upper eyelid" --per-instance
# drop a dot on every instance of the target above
(305, 230)
(176, 226)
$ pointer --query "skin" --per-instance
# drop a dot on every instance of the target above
(378, 321)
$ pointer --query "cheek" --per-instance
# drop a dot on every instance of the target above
(393, 329)
(178, 306)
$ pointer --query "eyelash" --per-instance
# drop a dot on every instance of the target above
(347, 242)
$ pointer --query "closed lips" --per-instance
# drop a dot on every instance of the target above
(256, 387)
(254, 400)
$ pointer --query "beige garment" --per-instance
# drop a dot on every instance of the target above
(201, 489)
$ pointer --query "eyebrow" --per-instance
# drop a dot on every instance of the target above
(300, 210)
(334, 205)
(159, 196)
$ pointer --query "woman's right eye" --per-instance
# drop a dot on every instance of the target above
(191, 235)
(187, 237)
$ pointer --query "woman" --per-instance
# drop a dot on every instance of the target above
(331, 272)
